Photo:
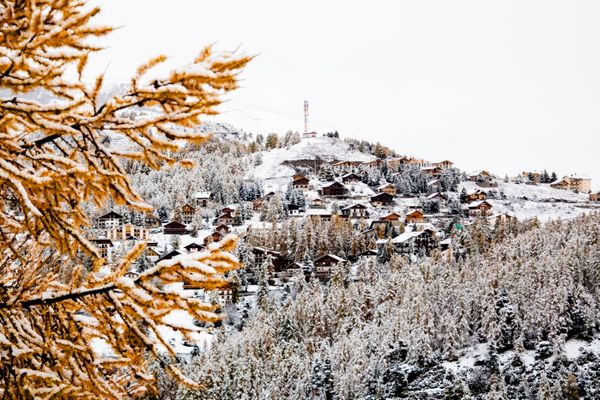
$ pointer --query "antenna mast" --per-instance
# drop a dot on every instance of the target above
(305, 115)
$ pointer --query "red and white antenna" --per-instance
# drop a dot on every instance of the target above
(305, 115)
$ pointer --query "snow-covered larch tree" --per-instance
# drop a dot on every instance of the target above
(58, 297)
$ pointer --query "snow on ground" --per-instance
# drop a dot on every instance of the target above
(324, 148)
(528, 201)
(541, 192)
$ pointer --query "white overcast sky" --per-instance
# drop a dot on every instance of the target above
(499, 85)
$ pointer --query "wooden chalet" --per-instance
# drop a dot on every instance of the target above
(151, 221)
(432, 170)
(223, 229)
(103, 245)
(317, 203)
(376, 163)
(476, 195)
(392, 218)
(225, 219)
(202, 199)
(324, 265)
(295, 210)
(382, 200)
(194, 247)
(594, 197)
(213, 237)
(110, 220)
(300, 182)
(479, 209)
(335, 189)
(415, 217)
(355, 211)
(416, 242)
(445, 164)
(175, 228)
(342, 167)
(186, 213)
(437, 196)
(168, 256)
(351, 178)
(387, 188)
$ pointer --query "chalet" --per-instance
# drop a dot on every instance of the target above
(355, 211)
(324, 265)
(151, 221)
(294, 209)
(335, 189)
(103, 245)
(202, 199)
(595, 196)
(223, 229)
(224, 219)
(420, 242)
(300, 182)
(185, 213)
(292, 269)
(575, 183)
(479, 209)
(317, 203)
(394, 163)
(480, 176)
(168, 256)
(194, 247)
(368, 254)
(439, 197)
(392, 218)
(151, 253)
(319, 213)
(261, 254)
(534, 177)
(446, 164)
(419, 162)
(382, 200)
(175, 228)
(475, 195)
(351, 178)
(127, 231)
(342, 167)
(432, 170)
(213, 237)
(110, 220)
(415, 217)
(387, 188)
(309, 135)
(502, 219)
(376, 163)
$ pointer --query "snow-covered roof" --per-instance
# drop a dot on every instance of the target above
(202, 195)
(406, 236)
(434, 195)
(476, 204)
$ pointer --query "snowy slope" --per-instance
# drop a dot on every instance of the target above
(276, 176)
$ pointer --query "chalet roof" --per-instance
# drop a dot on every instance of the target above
(102, 241)
(578, 177)
(225, 215)
(318, 211)
(406, 236)
(186, 205)
(169, 255)
(194, 246)
(414, 212)
(436, 194)
(333, 184)
(378, 196)
(333, 256)
(385, 185)
(474, 191)
(202, 195)
(265, 250)
(355, 206)
(369, 252)
(111, 215)
(478, 203)
(430, 168)
(391, 216)
(351, 174)
(444, 161)
(174, 224)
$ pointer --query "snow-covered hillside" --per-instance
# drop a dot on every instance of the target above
(527, 201)
(276, 175)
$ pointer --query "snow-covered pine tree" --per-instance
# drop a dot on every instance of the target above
(54, 159)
